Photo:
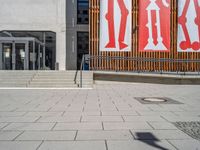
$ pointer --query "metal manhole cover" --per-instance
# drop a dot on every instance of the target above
(190, 128)
(156, 100)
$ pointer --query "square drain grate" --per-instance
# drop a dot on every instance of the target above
(190, 128)
(156, 100)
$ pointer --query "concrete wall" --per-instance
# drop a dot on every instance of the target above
(72, 29)
(37, 15)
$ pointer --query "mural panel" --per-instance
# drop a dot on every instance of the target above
(154, 25)
(115, 25)
(188, 26)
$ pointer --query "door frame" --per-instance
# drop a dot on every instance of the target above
(26, 41)
(26, 59)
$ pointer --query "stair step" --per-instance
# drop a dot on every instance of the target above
(53, 86)
(13, 85)
(44, 79)
(51, 83)
(7, 82)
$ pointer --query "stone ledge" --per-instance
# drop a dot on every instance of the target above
(147, 78)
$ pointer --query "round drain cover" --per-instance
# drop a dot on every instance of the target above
(154, 100)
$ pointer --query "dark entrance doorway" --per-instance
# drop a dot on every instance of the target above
(82, 46)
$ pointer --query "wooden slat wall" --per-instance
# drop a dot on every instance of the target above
(130, 65)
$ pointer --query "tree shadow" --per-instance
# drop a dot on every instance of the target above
(149, 139)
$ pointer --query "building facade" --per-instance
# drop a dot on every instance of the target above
(42, 34)
(126, 35)
(145, 36)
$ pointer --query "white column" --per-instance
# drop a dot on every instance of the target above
(61, 50)
(61, 34)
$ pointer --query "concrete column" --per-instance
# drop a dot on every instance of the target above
(34, 55)
(26, 56)
(61, 34)
(44, 49)
(71, 50)
(13, 56)
(1, 54)
(61, 49)
(39, 57)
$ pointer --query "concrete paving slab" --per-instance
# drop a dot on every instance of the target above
(181, 118)
(185, 144)
(42, 113)
(104, 135)
(59, 119)
(142, 118)
(102, 119)
(18, 119)
(62, 108)
(12, 114)
(71, 113)
(9, 135)
(108, 112)
(8, 108)
(191, 114)
(47, 136)
(3, 125)
(155, 113)
(76, 145)
(18, 145)
(139, 145)
(126, 125)
(119, 113)
(162, 125)
(78, 126)
(159, 134)
(29, 126)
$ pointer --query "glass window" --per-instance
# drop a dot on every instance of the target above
(82, 11)
(47, 56)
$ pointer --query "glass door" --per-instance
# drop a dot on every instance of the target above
(7, 56)
(20, 56)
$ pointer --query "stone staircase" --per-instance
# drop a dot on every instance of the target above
(44, 79)
(15, 78)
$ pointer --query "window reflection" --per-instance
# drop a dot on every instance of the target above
(83, 11)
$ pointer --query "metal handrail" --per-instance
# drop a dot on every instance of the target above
(145, 59)
(81, 73)
(139, 59)
(75, 77)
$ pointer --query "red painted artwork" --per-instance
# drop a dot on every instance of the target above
(154, 25)
(186, 44)
(111, 24)
(115, 25)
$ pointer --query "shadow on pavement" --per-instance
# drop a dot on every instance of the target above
(149, 139)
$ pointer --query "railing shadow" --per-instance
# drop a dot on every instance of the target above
(149, 139)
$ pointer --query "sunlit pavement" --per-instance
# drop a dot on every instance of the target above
(107, 117)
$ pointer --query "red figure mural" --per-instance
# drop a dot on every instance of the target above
(111, 24)
(154, 25)
(187, 44)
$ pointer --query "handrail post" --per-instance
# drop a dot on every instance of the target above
(81, 71)
(81, 78)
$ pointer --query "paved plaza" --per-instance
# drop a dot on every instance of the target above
(107, 117)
